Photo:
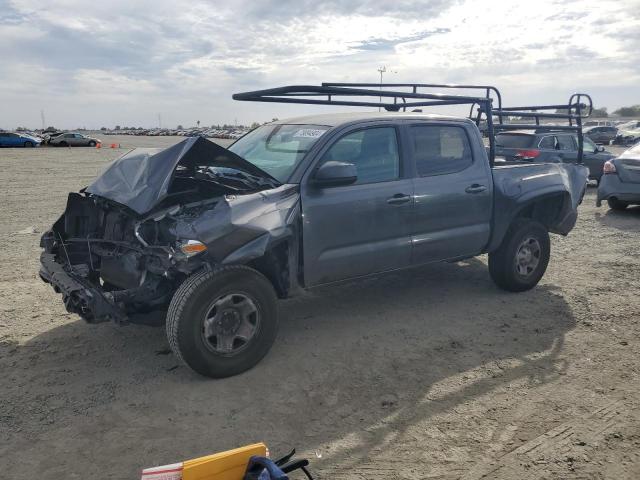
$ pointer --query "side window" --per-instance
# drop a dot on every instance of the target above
(68, 135)
(565, 142)
(374, 152)
(439, 150)
(587, 145)
(548, 143)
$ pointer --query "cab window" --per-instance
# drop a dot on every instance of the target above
(374, 152)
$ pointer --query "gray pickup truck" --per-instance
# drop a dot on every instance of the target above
(214, 236)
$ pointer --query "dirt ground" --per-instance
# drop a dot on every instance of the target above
(430, 373)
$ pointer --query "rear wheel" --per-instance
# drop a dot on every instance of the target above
(615, 204)
(520, 262)
(63, 144)
(223, 322)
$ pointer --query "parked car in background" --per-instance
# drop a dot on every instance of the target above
(601, 134)
(620, 185)
(598, 123)
(11, 139)
(551, 147)
(630, 125)
(49, 136)
(627, 136)
(74, 140)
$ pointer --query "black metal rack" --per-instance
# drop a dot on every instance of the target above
(497, 117)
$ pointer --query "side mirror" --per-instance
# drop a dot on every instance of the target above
(333, 174)
(600, 149)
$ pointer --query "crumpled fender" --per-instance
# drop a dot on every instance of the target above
(241, 228)
(518, 187)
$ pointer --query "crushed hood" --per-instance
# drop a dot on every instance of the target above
(140, 179)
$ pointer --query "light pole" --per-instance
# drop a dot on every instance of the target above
(381, 70)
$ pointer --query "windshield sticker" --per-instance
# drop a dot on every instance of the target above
(308, 133)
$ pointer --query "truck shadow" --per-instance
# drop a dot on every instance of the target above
(354, 368)
(627, 220)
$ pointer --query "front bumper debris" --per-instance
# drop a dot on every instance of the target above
(78, 294)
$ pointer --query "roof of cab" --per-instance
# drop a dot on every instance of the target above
(336, 119)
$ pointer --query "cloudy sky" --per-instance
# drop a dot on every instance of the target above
(93, 64)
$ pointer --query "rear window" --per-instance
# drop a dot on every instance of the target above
(514, 140)
(439, 150)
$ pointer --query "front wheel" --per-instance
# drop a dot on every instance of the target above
(28, 144)
(520, 262)
(92, 143)
(223, 322)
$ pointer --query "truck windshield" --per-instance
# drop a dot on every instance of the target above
(277, 149)
(514, 140)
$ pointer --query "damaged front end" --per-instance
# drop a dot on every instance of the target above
(108, 263)
(125, 244)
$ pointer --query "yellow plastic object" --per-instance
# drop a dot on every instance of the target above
(229, 465)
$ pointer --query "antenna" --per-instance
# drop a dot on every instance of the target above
(159, 120)
(42, 118)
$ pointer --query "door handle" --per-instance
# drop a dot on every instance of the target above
(475, 188)
(398, 199)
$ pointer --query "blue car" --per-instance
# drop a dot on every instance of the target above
(10, 139)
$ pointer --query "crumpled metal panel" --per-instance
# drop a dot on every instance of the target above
(141, 178)
(240, 228)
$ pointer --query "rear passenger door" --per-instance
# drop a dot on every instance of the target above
(453, 191)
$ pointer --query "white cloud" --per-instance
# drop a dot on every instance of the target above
(95, 63)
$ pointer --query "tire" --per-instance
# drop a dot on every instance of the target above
(206, 292)
(63, 144)
(523, 239)
(615, 204)
(28, 144)
(92, 143)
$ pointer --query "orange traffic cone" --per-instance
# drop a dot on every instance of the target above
(98, 145)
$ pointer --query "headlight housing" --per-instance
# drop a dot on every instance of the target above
(191, 247)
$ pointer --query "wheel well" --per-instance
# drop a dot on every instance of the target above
(274, 265)
(547, 210)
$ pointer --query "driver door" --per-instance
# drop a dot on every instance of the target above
(361, 228)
